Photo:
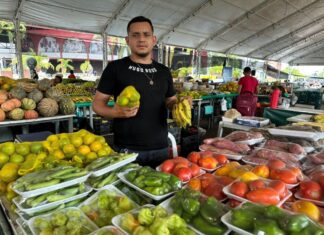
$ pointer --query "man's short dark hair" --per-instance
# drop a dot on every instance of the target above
(247, 70)
(138, 19)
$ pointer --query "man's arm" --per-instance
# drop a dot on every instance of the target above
(239, 89)
(100, 107)
(257, 89)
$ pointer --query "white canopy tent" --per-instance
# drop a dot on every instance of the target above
(289, 31)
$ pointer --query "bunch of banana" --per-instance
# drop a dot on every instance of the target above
(181, 113)
(319, 118)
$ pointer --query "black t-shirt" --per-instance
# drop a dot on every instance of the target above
(148, 129)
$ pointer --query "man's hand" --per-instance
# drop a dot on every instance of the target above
(125, 112)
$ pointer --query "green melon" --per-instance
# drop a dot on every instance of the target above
(16, 114)
(54, 94)
(44, 84)
(35, 95)
(47, 107)
(18, 93)
(28, 104)
(67, 106)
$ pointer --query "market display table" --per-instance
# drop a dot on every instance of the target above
(231, 125)
(25, 123)
(279, 116)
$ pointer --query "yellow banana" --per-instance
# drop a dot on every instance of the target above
(175, 115)
(184, 119)
(187, 109)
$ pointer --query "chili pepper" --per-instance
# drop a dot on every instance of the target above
(203, 226)
(165, 177)
(190, 206)
(152, 181)
(72, 175)
(211, 210)
(144, 170)
(244, 219)
(174, 182)
(155, 190)
(42, 184)
(139, 181)
(130, 176)
(166, 188)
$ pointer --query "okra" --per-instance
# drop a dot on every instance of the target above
(69, 191)
(43, 184)
(74, 202)
(39, 200)
(61, 172)
(100, 163)
(57, 197)
(109, 179)
(72, 175)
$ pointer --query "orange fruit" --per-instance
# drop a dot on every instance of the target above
(101, 139)
(36, 147)
(8, 148)
(95, 146)
(84, 150)
(68, 149)
(102, 153)
(52, 138)
(63, 142)
(88, 139)
(4, 158)
(22, 149)
(9, 172)
(58, 154)
(16, 158)
(76, 141)
(91, 156)
(82, 132)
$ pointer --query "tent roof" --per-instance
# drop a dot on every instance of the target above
(282, 30)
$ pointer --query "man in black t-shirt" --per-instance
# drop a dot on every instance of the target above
(141, 129)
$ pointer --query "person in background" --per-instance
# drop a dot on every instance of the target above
(34, 75)
(141, 129)
(57, 79)
(253, 72)
(248, 83)
(71, 75)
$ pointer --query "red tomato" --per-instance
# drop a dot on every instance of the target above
(206, 154)
(206, 179)
(224, 180)
(195, 169)
(221, 159)
(266, 196)
(280, 187)
(255, 184)
(239, 188)
(184, 174)
(207, 162)
(177, 166)
(167, 166)
(285, 175)
(311, 190)
(180, 160)
(233, 203)
(215, 190)
(276, 164)
(194, 157)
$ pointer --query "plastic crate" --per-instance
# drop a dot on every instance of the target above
(32, 137)
(101, 126)
(176, 132)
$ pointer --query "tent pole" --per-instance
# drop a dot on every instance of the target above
(198, 65)
(18, 48)
(160, 53)
(104, 51)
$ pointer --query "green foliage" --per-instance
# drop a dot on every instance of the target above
(216, 70)
(8, 28)
(293, 71)
(86, 67)
(64, 65)
(42, 61)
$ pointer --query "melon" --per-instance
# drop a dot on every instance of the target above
(3, 96)
(67, 106)
(28, 104)
(16, 114)
(35, 95)
(2, 115)
(18, 93)
(47, 107)
(54, 94)
(44, 84)
(8, 106)
(30, 114)
(16, 102)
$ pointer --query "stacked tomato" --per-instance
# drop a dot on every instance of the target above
(210, 185)
(260, 191)
(207, 159)
(314, 187)
(181, 168)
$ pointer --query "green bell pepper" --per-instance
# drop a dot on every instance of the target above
(130, 176)
(244, 219)
(139, 181)
(211, 210)
(268, 227)
(163, 176)
(144, 170)
(166, 188)
(311, 229)
(294, 223)
(191, 206)
(152, 181)
(155, 190)
(274, 212)
(174, 182)
(209, 229)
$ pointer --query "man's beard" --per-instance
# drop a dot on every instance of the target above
(143, 54)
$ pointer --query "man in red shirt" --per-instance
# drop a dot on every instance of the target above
(248, 83)
(248, 87)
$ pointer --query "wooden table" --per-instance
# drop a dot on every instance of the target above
(25, 123)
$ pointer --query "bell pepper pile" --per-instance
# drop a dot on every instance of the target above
(153, 182)
(202, 212)
(272, 220)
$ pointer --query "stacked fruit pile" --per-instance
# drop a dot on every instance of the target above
(26, 102)
(7, 83)
(181, 113)
(78, 93)
(230, 87)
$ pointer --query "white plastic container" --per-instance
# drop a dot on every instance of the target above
(229, 156)
(314, 136)
(112, 229)
(19, 201)
(226, 219)
(316, 202)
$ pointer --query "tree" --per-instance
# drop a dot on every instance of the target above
(64, 65)
(293, 71)
(86, 67)
(8, 28)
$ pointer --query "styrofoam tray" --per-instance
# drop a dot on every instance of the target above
(114, 166)
(166, 205)
(314, 136)
(300, 118)
(298, 156)
(113, 183)
(226, 190)
(229, 156)
(116, 220)
(92, 225)
(309, 149)
(226, 219)
(18, 202)
(36, 192)
(121, 176)
(23, 225)
(112, 229)
(316, 202)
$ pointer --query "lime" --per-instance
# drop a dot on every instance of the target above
(16, 158)
(8, 148)
(4, 158)
(22, 149)
(122, 101)
(36, 147)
